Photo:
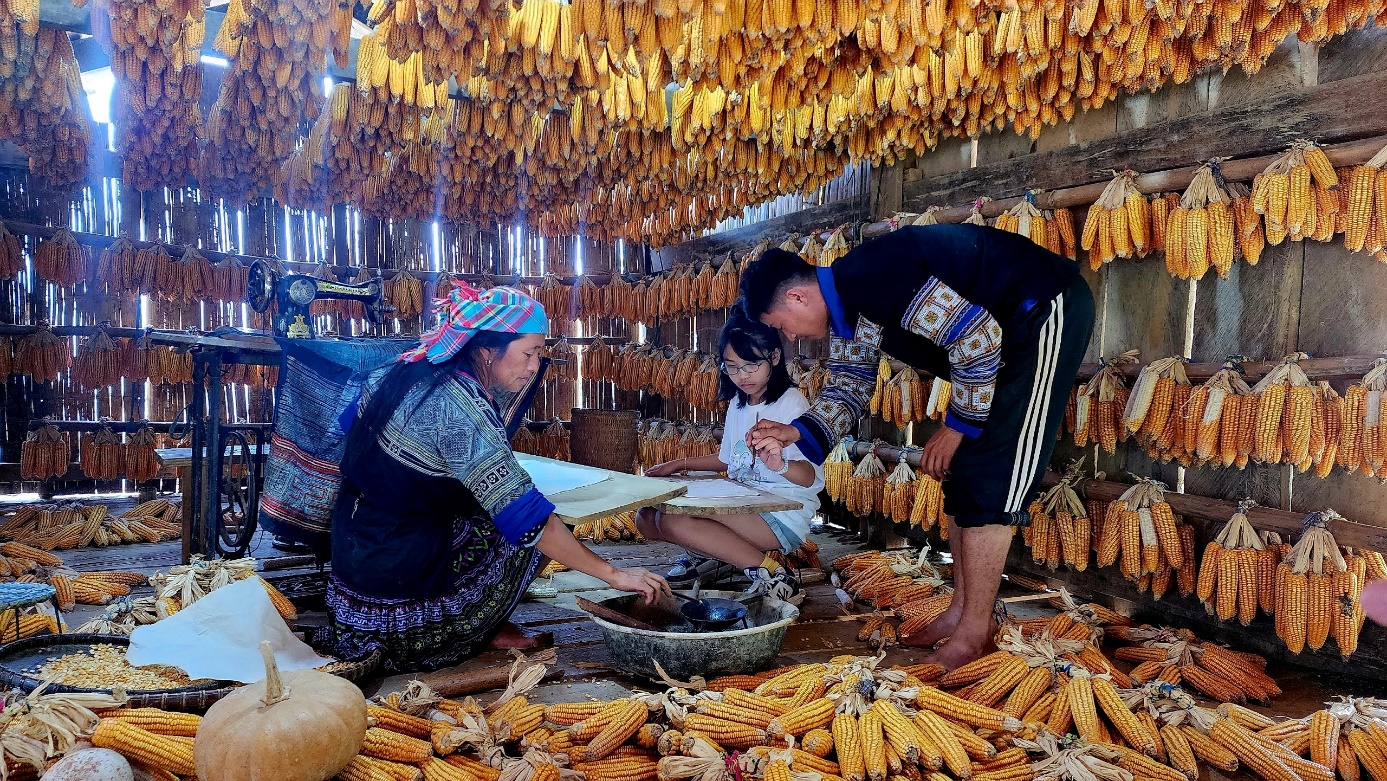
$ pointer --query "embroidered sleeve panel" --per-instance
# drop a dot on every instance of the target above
(473, 444)
(973, 338)
(843, 401)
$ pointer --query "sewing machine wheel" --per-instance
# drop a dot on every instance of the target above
(261, 281)
(376, 308)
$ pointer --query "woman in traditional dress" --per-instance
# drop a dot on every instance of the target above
(438, 531)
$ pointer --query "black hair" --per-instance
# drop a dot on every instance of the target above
(751, 341)
(765, 279)
(404, 377)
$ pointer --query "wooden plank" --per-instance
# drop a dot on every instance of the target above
(1341, 302)
(1250, 313)
(618, 493)
(1144, 309)
(741, 239)
(763, 502)
(178, 457)
(1353, 54)
(1332, 112)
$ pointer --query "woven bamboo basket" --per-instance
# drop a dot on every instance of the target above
(604, 438)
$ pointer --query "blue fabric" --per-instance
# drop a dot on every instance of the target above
(523, 519)
(841, 328)
(809, 443)
(318, 380)
(954, 422)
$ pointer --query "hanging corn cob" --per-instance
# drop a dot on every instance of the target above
(1317, 591)
(101, 455)
(141, 463)
(98, 361)
(1295, 195)
(904, 398)
(42, 355)
(11, 254)
(899, 493)
(838, 469)
(1027, 220)
(1100, 404)
(1119, 224)
(927, 511)
(835, 247)
(1213, 418)
(62, 260)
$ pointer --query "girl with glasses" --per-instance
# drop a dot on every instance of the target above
(755, 381)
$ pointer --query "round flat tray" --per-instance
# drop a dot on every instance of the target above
(20, 655)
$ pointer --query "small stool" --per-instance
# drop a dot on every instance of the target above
(16, 596)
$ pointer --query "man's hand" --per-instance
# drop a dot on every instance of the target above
(766, 431)
(939, 452)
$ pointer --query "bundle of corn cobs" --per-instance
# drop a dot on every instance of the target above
(902, 398)
(902, 581)
(1363, 209)
(1053, 230)
(1119, 224)
(77, 525)
(98, 362)
(1317, 589)
(1238, 571)
(1177, 657)
(1153, 547)
(1060, 530)
(45, 453)
(42, 355)
(1296, 195)
(660, 441)
(1096, 408)
(613, 528)
(43, 106)
(101, 455)
(1362, 440)
(688, 375)
(62, 260)
(141, 463)
(549, 442)
(11, 254)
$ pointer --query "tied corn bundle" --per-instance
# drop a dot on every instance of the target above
(1317, 590)
(1141, 534)
(1060, 530)
(11, 254)
(45, 454)
(1027, 220)
(1296, 197)
(1288, 409)
(42, 355)
(1363, 436)
(867, 486)
(1178, 657)
(838, 470)
(899, 493)
(1119, 224)
(1100, 403)
(1235, 566)
(1365, 207)
(1199, 232)
(1219, 419)
(101, 455)
(1154, 409)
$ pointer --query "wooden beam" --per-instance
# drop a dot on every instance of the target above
(850, 210)
(1334, 112)
(1340, 368)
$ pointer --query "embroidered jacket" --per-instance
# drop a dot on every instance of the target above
(940, 298)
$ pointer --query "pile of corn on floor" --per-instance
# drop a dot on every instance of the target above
(821, 633)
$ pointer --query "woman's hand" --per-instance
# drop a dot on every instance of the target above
(782, 434)
(639, 580)
(666, 469)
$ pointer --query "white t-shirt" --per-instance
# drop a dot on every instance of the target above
(738, 457)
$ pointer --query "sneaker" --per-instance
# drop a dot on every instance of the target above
(705, 571)
(782, 585)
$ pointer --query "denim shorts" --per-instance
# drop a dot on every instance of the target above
(789, 540)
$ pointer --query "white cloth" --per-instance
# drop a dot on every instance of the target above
(219, 637)
(738, 457)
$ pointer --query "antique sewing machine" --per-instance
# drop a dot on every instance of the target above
(293, 294)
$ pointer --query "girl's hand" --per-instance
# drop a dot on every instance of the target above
(666, 469)
(782, 434)
(639, 580)
(772, 455)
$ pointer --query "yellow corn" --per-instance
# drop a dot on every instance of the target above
(145, 747)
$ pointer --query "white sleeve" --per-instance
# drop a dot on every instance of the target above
(731, 432)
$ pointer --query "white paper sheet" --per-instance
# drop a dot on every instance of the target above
(552, 477)
(219, 637)
(715, 489)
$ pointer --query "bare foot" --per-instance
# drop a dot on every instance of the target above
(511, 636)
(964, 647)
(937, 630)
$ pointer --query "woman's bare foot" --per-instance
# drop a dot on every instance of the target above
(513, 637)
(937, 630)
(963, 647)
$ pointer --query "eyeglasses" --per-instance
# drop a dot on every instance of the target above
(746, 368)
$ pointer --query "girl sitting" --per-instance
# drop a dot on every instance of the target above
(756, 382)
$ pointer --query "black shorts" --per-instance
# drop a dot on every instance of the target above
(994, 476)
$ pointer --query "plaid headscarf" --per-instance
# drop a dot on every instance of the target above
(468, 310)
